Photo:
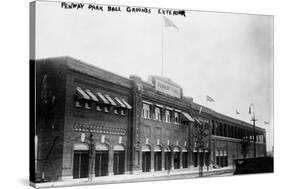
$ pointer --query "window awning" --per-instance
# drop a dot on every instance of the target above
(187, 116)
(110, 100)
(198, 121)
(81, 94)
(93, 97)
(104, 100)
(120, 102)
(126, 103)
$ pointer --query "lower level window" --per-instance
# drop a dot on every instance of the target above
(81, 164)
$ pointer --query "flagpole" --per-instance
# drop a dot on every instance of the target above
(162, 40)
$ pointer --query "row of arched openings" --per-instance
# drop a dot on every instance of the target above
(81, 160)
(168, 158)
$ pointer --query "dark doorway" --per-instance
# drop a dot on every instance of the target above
(157, 161)
(207, 159)
(195, 159)
(218, 160)
(81, 164)
(184, 159)
(119, 162)
(176, 160)
(146, 161)
(101, 163)
(168, 160)
(225, 161)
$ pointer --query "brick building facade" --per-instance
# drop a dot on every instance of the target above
(91, 123)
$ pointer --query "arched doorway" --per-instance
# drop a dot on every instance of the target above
(168, 158)
(176, 152)
(146, 158)
(118, 160)
(101, 160)
(80, 161)
(157, 158)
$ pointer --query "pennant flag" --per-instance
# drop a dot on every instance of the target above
(169, 23)
(210, 99)
(237, 112)
(266, 122)
(250, 108)
(200, 110)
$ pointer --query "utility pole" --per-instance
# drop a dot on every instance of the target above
(254, 129)
(91, 145)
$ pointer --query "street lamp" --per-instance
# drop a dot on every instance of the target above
(254, 126)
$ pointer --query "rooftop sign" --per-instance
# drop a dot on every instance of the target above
(167, 88)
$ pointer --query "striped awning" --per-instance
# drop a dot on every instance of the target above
(104, 100)
(93, 97)
(120, 102)
(81, 94)
(198, 121)
(126, 103)
(110, 100)
(187, 116)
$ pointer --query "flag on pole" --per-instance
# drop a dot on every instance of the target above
(237, 112)
(250, 108)
(200, 109)
(210, 99)
(169, 23)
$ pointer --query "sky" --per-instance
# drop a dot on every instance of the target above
(226, 56)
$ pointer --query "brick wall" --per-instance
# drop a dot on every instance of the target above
(93, 117)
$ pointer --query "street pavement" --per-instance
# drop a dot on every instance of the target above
(142, 177)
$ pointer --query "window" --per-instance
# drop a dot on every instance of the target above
(87, 106)
(80, 164)
(122, 112)
(78, 104)
(146, 111)
(177, 117)
(158, 115)
(106, 109)
(115, 111)
(99, 108)
(168, 115)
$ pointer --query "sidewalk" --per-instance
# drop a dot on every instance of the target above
(138, 177)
